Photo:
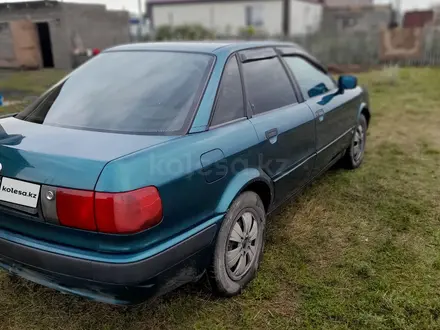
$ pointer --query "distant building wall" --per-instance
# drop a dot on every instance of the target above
(401, 43)
(346, 3)
(26, 44)
(361, 19)
(229, 17)
(7, 54)
(356, 50)
(49, 12)
(94, 25)
(418, 19)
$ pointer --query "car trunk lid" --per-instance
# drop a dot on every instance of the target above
(62, 157)
(43, 155)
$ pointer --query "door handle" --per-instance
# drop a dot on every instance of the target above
(320, 114)
(272, 135)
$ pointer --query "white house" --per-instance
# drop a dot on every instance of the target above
(349, 3)
(229, 16)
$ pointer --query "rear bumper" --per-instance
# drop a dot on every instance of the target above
(117, 283)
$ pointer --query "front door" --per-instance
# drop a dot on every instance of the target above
(334, 126)
(333, 112)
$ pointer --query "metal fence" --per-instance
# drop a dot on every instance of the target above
(344, 49)
(354, 50)
(376, 47)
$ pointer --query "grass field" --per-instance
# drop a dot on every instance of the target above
(20, 85)
(357, 250)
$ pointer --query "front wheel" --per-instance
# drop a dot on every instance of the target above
(239, 246)
(354, 155)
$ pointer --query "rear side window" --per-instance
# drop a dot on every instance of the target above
(230, 96)
(127, 92)
(312, 81)
(267, 85)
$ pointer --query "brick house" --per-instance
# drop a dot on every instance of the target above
(44, 33)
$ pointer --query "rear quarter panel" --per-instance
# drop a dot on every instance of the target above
(175, 168)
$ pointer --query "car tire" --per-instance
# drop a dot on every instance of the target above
(239, 246)
(354, 154)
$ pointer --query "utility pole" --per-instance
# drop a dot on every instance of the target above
(141, 20)
(399, 12)
(398, 5)
(395, 14)
(286, 18)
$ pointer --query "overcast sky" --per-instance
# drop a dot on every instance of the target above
(132, 5)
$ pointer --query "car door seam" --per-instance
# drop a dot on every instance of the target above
(335, 140)
(295, 167)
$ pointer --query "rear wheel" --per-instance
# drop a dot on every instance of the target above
(239, 246)
(354, 155)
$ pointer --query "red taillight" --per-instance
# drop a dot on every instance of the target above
(75, 208)
(117, 213)
(128, 212)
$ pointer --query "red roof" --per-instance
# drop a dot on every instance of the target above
(417, 19)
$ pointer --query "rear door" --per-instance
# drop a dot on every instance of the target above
(333, 110)
(285, 127)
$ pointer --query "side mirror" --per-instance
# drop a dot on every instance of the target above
(347, 82)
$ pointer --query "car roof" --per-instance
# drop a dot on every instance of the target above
(209, 47)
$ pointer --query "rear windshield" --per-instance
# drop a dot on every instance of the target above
(126, 92)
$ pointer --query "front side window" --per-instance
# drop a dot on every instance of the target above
(230, 96)
(126, 92)
(267, 85)
(312, 81)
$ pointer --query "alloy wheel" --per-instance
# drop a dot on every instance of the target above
(358, 144)
(242, 246)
